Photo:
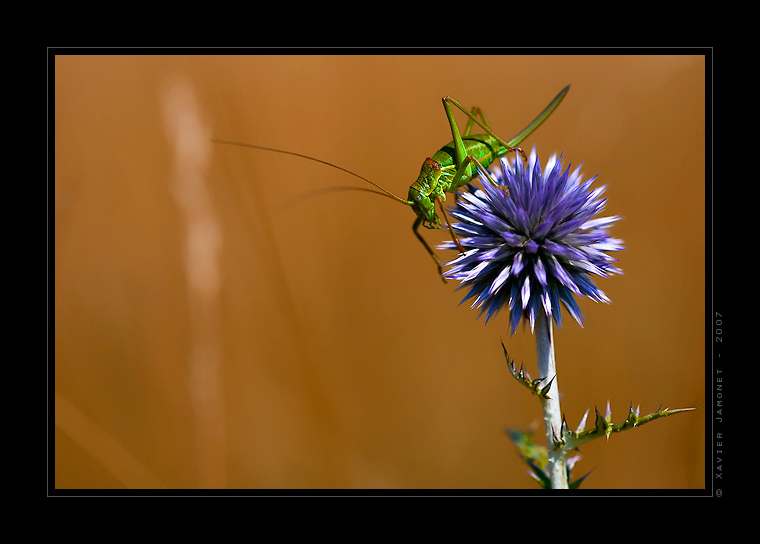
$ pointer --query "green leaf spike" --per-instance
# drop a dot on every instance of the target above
(523, 377)
(603, 425)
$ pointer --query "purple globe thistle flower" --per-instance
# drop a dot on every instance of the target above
(537, 246)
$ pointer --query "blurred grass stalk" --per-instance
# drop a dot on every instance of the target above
(103, 447)
(189, 137)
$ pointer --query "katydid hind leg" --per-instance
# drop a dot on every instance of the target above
(475, 111)
(460, 151)
(484, 125)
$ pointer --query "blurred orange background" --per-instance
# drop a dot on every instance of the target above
(214, 329)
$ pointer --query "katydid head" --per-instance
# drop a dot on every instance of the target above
(424, 208)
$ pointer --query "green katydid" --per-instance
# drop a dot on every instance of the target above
(451, 167)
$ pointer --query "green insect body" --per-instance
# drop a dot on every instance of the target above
(437, 175)
(458, 162)
(451, 167)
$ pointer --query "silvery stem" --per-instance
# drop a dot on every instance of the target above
(552, 413)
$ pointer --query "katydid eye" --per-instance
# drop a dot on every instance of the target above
(418, 198)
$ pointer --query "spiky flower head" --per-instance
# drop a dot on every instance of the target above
(537, 246)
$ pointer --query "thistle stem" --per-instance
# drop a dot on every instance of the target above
(552, 413)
